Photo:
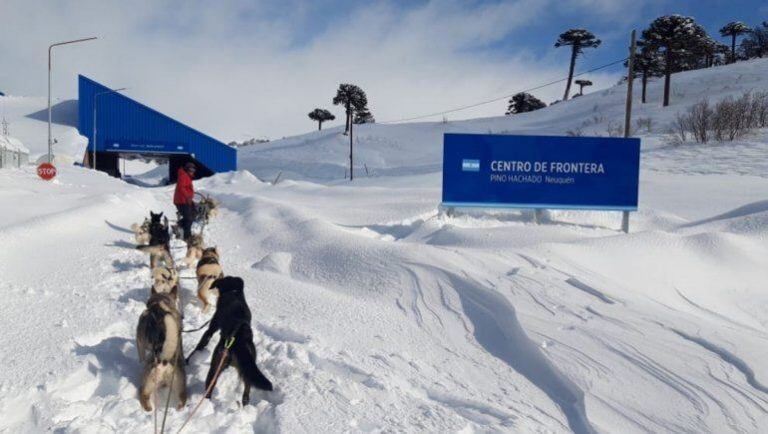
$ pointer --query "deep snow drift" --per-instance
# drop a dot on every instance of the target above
(372, 313)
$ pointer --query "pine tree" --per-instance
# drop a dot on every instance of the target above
(647, 64)
(734, 29)
(578, 39)
(352, 98)
(756, 43)
(363, 116)
(321, 115)
(524, 102)
(714, 53)
(582, 84)
(672, 36)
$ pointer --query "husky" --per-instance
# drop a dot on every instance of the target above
(165, 280)
(206, 209)
(141, 232)
(208, 270)
(195, 247)
(158, 340)
(233, 319)
(159, 246)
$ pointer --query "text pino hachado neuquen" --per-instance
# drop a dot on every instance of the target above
(537, 172)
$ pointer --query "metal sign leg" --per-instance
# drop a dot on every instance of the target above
(625, 222)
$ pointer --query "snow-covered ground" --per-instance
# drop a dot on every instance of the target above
(373, 313)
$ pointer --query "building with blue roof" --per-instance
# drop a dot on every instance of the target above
(127, 129)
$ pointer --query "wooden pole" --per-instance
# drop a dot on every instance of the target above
(351, 161)
(628, 112)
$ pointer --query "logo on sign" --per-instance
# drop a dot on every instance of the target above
(470, 165)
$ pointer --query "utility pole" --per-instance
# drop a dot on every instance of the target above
(351, 164)
(628, 111)
(50, 48)
(5, 123)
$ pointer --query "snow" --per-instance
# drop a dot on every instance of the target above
(12, 144)
(25, 117)
(400, 149)
(375, 313)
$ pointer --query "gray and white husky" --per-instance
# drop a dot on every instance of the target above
(195, 247)
(159, 247)
(208, 270)
(165, 279)
(141, 232)
(158, 340)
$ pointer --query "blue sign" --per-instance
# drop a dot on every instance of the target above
(145, 146)
(541, 172)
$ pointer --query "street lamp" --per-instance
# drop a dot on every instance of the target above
(50, 47)
(95, 99)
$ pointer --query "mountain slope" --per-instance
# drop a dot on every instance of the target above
(417, 147)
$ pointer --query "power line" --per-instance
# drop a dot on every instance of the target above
(443, 112)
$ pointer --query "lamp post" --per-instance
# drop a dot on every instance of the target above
(50, 48)
(95, 100)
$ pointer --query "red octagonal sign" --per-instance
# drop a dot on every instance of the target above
(47, 171)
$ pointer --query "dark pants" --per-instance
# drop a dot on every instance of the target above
(185, 211)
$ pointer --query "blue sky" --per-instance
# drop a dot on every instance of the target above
(613, 29)
(255, 68)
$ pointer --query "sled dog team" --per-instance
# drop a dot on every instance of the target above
(158, 335)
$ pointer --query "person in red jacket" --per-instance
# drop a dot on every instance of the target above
(183, 197)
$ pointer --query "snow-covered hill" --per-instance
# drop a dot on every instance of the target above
(28, 117)
(399, 149)
(372, 313)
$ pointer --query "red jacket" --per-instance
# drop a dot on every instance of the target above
(185, 192)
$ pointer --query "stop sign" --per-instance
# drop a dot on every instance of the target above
(47, 171)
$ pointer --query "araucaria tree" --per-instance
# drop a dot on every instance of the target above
(756, 43)
(578, 40)
(582, 84)
(673, 36)
(734, 29)
(321, 115)
(363, 116)
(647, 65)
(353, 99)
(524, 102)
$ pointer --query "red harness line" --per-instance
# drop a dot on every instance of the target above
(227, 346)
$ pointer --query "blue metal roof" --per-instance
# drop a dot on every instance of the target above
(127, 126)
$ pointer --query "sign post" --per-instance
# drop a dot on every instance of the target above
(541, 172)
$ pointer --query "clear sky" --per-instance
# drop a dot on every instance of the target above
(238, 69)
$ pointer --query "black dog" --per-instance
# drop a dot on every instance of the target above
(159, 247)
(233, 318)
